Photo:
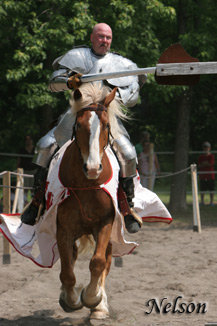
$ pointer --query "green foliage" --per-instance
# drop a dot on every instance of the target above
(35, 32)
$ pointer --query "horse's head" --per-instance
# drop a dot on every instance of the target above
(91, 133)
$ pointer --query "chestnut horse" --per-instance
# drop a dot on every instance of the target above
(89, 210)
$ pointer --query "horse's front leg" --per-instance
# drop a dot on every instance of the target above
(101, 311)
(70, 296)
(92, 295)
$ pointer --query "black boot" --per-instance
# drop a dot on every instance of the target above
(133, 221)
(30, 214)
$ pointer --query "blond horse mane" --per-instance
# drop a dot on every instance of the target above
(95, 93)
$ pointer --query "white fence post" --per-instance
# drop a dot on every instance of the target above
(21, 200)
(19, 193)
(196, 210)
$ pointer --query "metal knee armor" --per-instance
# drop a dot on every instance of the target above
(45, 149)
(126, 155)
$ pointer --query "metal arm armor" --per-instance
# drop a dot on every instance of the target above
(58, 80)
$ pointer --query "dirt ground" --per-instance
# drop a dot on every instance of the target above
(171, 262)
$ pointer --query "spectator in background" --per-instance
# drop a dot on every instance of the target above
(144, 136)
(207, 179)
(25, 162)
(148, 166)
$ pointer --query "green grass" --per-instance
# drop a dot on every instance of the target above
(208, 214)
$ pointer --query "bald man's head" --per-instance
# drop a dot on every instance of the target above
(101, 38)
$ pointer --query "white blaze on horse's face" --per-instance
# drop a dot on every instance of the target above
(93, 163)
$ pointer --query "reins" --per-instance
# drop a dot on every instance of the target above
(72, 190)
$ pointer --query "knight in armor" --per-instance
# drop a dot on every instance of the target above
(67, 68)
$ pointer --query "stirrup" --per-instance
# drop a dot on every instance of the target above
(136, 216)
(133, 221)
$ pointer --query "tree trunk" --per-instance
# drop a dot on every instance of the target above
(179, 180)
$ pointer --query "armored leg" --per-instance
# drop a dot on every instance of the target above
(30, 214)
(45, 149)
(126, 156)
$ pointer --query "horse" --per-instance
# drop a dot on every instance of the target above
(89, 210)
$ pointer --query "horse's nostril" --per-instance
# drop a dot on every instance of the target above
(100, 167)
(85, 168)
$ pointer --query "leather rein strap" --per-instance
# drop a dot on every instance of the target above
(94, 107)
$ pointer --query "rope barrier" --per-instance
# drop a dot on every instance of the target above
(14, 187)
(157, 152)
(174, 173)
(15, 173)
(23, 175)
(147, 176)
(178, 172)
(167, 175)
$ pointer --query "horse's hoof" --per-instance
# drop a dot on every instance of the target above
(67, 308)
(64, 306)
(97, 314)
(89, 305)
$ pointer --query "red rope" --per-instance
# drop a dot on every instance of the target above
(79, 202)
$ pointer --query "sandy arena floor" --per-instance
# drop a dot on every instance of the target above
(171, 262)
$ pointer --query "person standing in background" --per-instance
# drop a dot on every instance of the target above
(206, 176)
(144, 136)
(148, 166)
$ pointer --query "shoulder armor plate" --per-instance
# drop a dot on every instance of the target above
(78, 59)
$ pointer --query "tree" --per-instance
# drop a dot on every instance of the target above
(191, 16)
(34, 33)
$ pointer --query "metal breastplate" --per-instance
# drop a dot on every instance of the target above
(113, 62)
(84, 61)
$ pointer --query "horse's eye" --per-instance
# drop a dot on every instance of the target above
(78, 125)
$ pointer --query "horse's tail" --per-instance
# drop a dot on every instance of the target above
(86, 244)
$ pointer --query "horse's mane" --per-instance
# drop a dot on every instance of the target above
(95, 93)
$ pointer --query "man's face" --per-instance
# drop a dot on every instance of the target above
(146, 146)
(206, 149)
(28, 140)
(101, 39)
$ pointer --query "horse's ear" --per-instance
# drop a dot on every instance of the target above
(110, 97)
(77, 94)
